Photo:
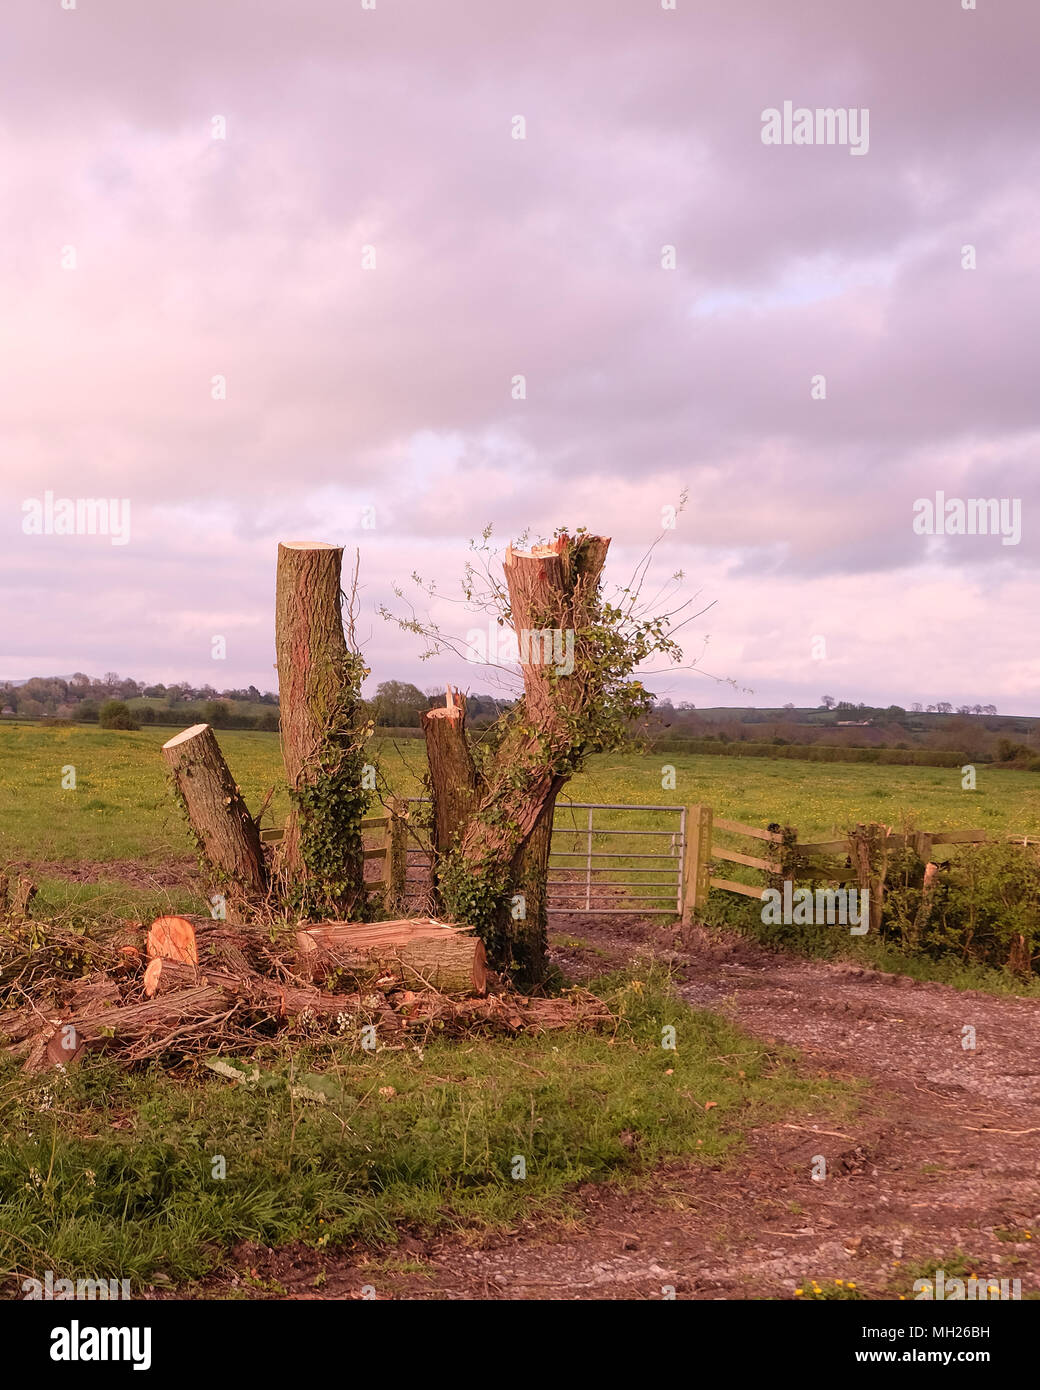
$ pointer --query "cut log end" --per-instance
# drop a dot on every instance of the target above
(172, 938)
(454, 707)
(151, 976)
(186, 735)
(555, 547)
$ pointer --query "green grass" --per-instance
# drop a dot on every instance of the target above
(109, 1173)
(830, 1291)
(949, 970)
(741, 914)
(81, 905)
(955, 1265)
(121, 808)
(819, 798)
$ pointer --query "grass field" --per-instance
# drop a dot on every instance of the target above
(121, 808)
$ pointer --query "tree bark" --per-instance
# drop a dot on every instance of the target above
(321, 855)
(454, 783)
(227, 835)
(419, 954)
(530, 916)
(492, 828)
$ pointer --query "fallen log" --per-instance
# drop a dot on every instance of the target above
(72, 1036)
(227, 836)
(252, 989)
(414, 951)
(198, 1010)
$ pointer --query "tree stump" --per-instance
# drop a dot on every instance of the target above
(454, 783)
(492, 827)
(227, 835)
(323, 728)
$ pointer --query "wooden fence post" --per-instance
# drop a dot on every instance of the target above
(696, 861)
(398, 866)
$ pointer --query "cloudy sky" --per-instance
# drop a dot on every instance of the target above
(327, 207)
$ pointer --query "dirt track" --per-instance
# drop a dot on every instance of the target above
(943, 1154)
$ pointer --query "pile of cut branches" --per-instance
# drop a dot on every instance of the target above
(189, 986)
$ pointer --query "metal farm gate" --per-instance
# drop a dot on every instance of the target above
(603, 858)
(614, 862)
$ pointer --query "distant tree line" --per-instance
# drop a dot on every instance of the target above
(975, 731)
(82, 697)
(828, 702)
(119, 702)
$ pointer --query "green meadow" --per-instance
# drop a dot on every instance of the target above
(121, 809)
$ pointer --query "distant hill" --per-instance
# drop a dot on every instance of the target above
(980, 732)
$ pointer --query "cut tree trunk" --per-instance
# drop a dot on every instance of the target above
(550, 591)
(323, 728)
(924, 908)
(530, 899)
(398, 850)
(416, 952)
(494, 826)
(227, 836)
(869, 850)
(453, 775)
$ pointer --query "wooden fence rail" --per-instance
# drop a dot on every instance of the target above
(392, 852)
(702, 853)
